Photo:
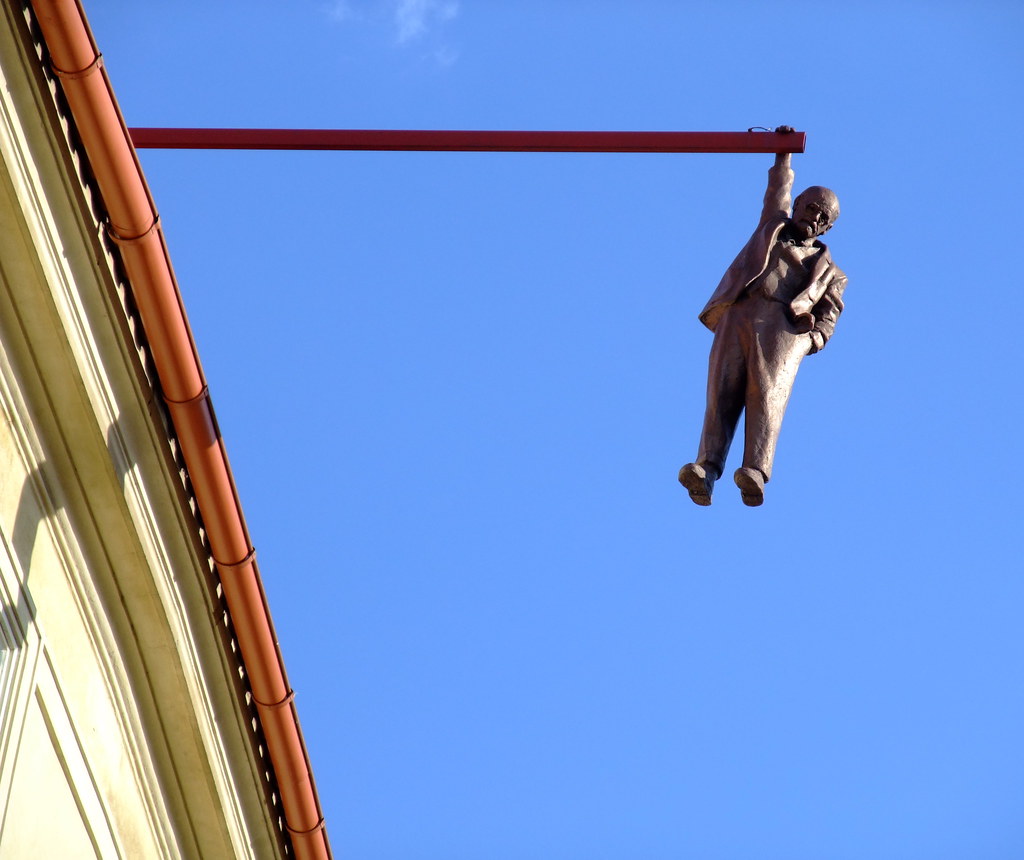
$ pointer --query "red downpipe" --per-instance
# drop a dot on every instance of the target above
(136, 229)
(468, 141)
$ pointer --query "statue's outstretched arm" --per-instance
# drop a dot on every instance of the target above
(778, 196)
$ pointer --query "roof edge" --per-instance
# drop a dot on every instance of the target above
(134, 226)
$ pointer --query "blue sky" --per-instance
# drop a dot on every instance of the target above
(456, 389)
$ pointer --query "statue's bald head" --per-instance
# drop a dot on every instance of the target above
(815, 210)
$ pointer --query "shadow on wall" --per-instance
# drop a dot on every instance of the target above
(37, 502)
(27, 520)
(119, 460)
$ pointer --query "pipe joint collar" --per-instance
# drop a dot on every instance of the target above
(120, 240)
(91, 69)
(316, 828)
(273, 706)
(249, 558)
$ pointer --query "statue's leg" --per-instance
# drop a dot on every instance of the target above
(775, 357)
(727, 382)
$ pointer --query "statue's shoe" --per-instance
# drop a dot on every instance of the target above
(751, 485)
(698, 483)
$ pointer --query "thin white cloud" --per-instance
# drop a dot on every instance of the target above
(341, 10)
(414, 21)
(415, 17)
(446, 56)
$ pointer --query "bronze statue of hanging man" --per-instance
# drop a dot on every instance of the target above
(778, 301)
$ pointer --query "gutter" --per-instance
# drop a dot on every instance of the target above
(135, 228)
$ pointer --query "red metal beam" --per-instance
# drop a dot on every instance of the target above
(468, 141)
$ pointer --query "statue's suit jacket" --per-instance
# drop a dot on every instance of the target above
(818, 305)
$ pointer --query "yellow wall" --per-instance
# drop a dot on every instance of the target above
(123, 732)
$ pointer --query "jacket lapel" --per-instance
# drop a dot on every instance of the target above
(817, 283)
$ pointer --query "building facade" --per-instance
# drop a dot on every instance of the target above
(129, 726)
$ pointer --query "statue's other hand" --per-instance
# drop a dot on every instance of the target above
(817, 342)
(804, 323)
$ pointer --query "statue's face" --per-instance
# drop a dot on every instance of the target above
(812, 215)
